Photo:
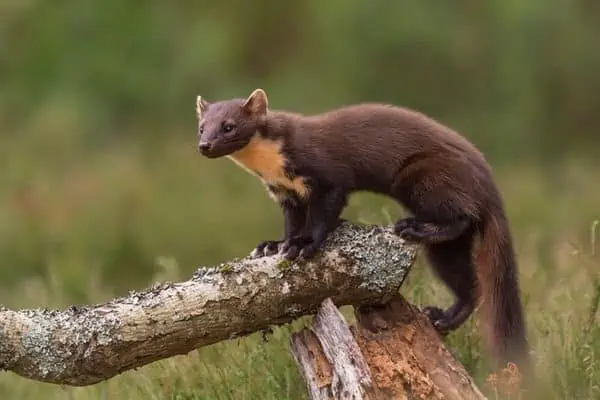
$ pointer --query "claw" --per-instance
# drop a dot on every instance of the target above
(266, 248)
(405, 228)
(293, 247)
(292, 253)
(438, 319)
(309, 251)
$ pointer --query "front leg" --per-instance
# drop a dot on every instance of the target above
(294, 219)
(323, 217)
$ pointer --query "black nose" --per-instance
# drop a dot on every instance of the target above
(204, 147)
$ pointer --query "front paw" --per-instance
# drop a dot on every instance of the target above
(266, 248)
(310, 250)
(292, 248)
(304, 247)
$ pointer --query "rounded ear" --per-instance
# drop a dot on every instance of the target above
(257, 103)
(201, 106)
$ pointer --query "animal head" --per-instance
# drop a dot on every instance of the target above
(225, 127)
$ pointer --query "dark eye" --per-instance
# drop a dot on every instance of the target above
(228, 127)
(201, 130)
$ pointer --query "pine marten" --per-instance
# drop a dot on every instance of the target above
(310, 165)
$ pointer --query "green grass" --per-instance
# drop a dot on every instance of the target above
(84, 228)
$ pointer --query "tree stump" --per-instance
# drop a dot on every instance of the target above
(392, 352)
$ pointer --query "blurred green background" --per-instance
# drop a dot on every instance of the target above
(102, 191)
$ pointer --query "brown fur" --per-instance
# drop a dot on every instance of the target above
(311, 164)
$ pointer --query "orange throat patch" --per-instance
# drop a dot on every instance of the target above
(263, 158)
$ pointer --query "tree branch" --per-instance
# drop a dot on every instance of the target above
(85, 345)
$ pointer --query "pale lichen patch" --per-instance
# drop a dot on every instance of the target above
(385, 254)
(285, 289)
(54, 341)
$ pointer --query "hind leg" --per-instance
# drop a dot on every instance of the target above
(420, 231)
(453, 264)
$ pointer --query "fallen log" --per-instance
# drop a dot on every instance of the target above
(83, 345)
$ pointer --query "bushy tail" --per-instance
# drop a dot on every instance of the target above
(501, 305)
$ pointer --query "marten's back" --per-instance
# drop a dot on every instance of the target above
(367, 145)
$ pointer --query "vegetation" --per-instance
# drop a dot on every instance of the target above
(101, 190)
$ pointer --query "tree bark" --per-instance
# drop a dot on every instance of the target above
(84, 345)
(395, 351)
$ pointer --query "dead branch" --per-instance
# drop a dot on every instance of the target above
(85, 345)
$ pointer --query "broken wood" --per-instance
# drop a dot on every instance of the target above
(331, 341)
(392, 352)
(84, 345)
